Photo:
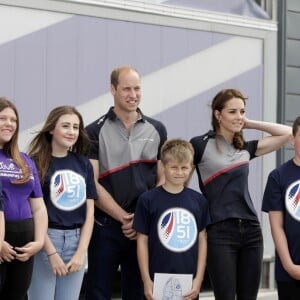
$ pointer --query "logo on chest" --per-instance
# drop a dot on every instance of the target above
(177, 229)
(67, 190)
(292, 200)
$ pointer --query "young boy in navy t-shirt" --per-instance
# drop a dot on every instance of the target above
(281, 201)
(170, 221)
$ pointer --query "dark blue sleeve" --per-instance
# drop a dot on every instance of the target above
(251, 147)
(273, 198)
(141, 216)
(199, 144)
(162, 132)
(93, 130)
(205, 216)
(163, 137)
(90, 184)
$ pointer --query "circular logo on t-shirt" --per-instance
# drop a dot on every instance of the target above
(67, 190)
(177, 229)
(292, 200)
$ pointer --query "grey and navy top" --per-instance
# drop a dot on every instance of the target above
(127, 161)
(223, 176)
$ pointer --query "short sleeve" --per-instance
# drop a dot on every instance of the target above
(141, 216)
(273, 194)
(251, 147)
(91, 191)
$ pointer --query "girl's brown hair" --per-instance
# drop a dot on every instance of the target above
(11, 148)
(40, 148)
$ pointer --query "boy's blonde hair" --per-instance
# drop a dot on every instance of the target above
(178, 150)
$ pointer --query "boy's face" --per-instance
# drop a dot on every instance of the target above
(295, 140)
(177, 173)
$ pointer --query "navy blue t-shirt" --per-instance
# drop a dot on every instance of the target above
(172, 223)
(282, 193)
(68, 183)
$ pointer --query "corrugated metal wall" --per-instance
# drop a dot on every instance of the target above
(289, 66)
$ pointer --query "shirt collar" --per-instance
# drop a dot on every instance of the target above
(112, 116)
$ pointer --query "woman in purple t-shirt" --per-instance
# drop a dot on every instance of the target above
(1, 217)
(24, 209)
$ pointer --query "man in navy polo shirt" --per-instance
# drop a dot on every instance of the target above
(124, 154)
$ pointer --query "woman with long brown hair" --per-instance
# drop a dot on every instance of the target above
(222, 156)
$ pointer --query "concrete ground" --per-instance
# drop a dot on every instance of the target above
(263, 295)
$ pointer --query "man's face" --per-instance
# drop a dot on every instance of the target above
(127, 94)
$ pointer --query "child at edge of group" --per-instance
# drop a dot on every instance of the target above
(23, 207)
(155, 255)
(69, 190)
(2, 226)
(281, 202)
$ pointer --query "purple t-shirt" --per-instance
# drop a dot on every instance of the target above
(1, 197)
(16, 196)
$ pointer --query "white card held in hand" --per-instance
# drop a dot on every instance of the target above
(171, 286)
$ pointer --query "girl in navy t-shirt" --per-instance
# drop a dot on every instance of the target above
(69, 192)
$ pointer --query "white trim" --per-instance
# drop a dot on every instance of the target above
(21, 24)
(145, 12)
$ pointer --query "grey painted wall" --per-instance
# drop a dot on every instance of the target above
(289, 66)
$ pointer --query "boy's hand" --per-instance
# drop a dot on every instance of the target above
(148, 290)
(194, 293)
(127, 229)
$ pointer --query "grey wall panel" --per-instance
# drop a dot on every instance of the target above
(92, 52)
(293, 25)
(147, 50)
(193, 116)
(293, 5)
(7, 67)
(289, 63)
(62, 47)
(70, 62)
(121, 43)
(30, 76)
(292, 109)
(293, 53)
(292, 80)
